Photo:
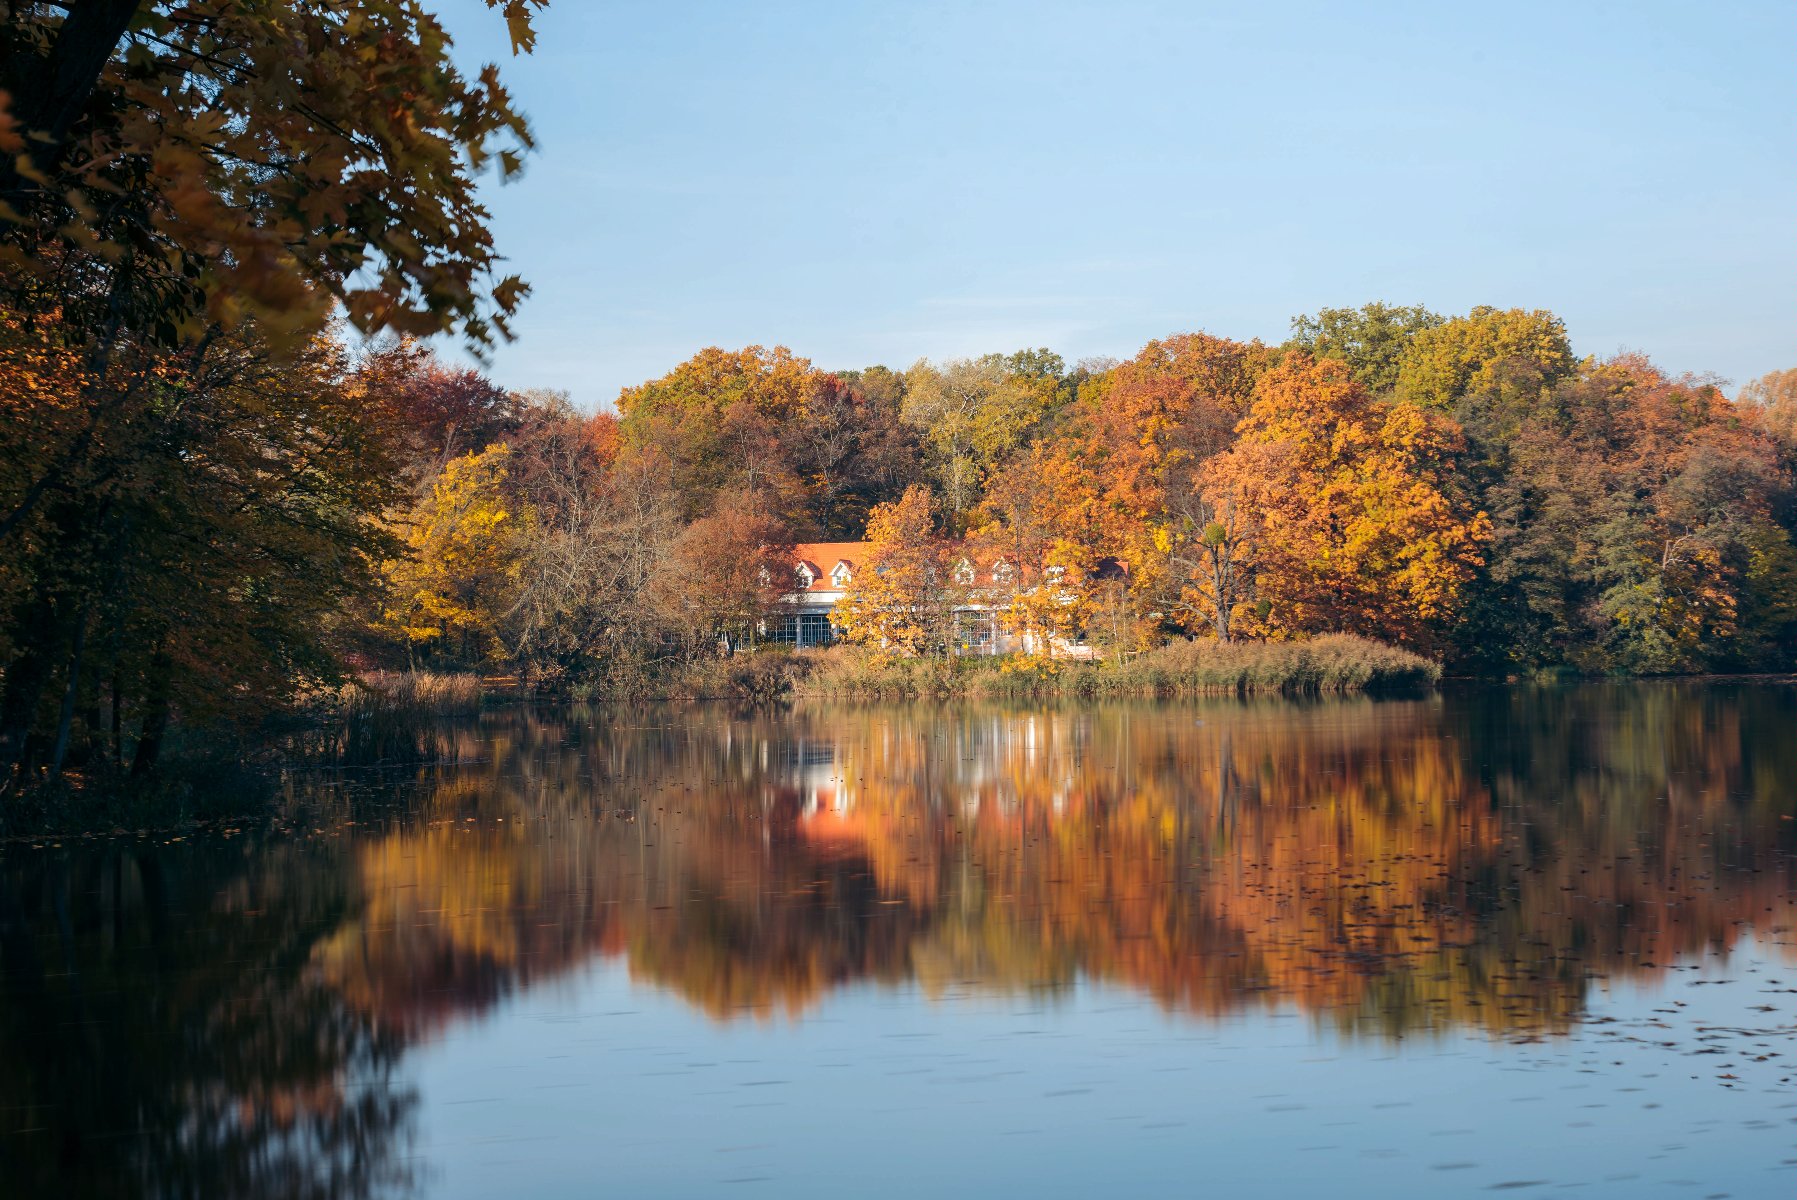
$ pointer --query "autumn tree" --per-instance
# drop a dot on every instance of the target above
(724, 574)
(1044, 551)
(903, 600)
(173, 162)
(465, 546)
(974, 414)
(199, 560)
(1771, 403)
(1444, 362)
(187, 191)
(851, 448)
(1143, 430)
(1630, 513)
(440, 412)
(718, 421)
(1216, 568)
(1356, 527)
(605, 523)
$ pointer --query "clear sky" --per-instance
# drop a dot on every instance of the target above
(878, 182)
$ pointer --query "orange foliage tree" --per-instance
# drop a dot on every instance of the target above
(1347, 507)
(1047, 543)
(1149, 426)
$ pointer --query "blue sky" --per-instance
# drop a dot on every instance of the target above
(875, 183)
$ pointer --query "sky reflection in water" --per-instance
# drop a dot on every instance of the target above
(1497, 938)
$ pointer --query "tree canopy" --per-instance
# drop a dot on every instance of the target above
(165, 163)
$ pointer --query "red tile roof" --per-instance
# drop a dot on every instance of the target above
(822, 558)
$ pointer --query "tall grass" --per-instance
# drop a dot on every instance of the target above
(1333, 663)
(387, 717)
(417, 694)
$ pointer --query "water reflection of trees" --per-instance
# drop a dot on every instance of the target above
(164, 1032)
(1391, 866)
(218, 1018)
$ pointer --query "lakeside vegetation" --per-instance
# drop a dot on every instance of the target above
(220, 500)
(1325, 665)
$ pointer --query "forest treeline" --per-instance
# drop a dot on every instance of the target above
(264, 517)
(231, 473)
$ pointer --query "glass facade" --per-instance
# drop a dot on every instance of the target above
(801, 629)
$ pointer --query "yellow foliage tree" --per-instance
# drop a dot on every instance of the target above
(1445, 363)
(972, 414)
(461, 574)
(902, 602)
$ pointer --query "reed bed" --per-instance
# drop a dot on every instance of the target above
(409, 694)
(1331, 664)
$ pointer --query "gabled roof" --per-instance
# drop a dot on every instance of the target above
(822, 557)
(988, 563)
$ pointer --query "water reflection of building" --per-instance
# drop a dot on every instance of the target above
(813, 770)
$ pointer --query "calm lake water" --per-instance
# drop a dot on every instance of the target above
(1514, 939)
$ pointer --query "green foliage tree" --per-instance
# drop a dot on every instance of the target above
(1629, 512)
(1371, 339)
(974, 414)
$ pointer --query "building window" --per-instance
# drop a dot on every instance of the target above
(974, 632)
(841, 576)
(804, 576)
(814, 629)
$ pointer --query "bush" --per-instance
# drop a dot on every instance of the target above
(754, 675)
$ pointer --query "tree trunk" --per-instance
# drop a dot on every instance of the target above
(26, 677)
(65, 716)
(93, 724)
(118, 722)
(49, 97)
(156, 712)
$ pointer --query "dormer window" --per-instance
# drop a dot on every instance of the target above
(964, 573)
(1003, 573)
(840, 575)
(804, 575)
